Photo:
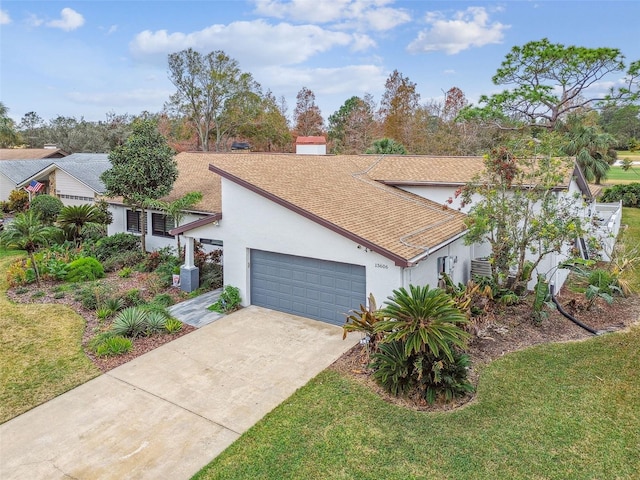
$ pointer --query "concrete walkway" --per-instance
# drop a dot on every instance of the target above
(169, 412)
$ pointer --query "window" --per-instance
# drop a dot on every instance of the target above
(161, 224)
(133, 221)
(208, 241)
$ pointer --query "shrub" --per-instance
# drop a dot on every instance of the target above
(121, 260)
(173, 325)
(116, 244)
(98, 340)
(629, 194)
(163, 299)
(113, 346)
(114, 304)
(92, 296)
(364, 321)
(431, 377)
(229, 300)
(133, 298)
(83, 269)
(18, 200)
(156, 323)
(58, 295)
(130, 322)
(17, 273)
(603, 280)
(47, 207)
(125, 272)
(103, 313)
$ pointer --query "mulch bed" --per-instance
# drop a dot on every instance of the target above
(45, 293)
(506, 331)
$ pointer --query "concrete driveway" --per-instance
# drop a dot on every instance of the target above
(168, 413)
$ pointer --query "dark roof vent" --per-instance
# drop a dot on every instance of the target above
(240, 146)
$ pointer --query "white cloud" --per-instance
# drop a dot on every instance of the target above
(34, 21)
(120, 98)
(112, 29)
(255, 42)
(69, 20)
(4, 17)
(468, 28)
(352, 14)
(449, 71)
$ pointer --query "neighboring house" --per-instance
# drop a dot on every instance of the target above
(193, 176)
(313, 145)
(31, 153)
(74, 179)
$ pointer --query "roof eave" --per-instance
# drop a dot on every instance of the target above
(195, 224)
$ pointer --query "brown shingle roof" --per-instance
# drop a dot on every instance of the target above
(30, 153)
(416, 169)
(194, 176)
(335, 192)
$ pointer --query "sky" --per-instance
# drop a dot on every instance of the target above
(89, 58)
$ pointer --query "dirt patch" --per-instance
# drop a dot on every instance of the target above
(506, 331)
(145, 283)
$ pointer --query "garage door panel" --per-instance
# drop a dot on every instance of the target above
(309, 287)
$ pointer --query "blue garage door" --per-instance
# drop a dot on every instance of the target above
(308, 287)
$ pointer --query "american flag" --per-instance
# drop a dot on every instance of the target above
(34, 186)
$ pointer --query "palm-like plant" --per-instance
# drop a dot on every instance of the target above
(176, 210)
(425, 320)
(27, 232)
(591, 147)
(74, 218)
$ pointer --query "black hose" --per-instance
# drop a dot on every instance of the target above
(569, 316)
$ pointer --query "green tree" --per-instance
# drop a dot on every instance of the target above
(592, 148)
(307, 116)
(176, 210)
(207, 86)
(549, 81)
(47, 207)
(519, 213)
(9, 136)
(621, 121)
(74, 219)
(353, 127)
(387, 146)
(268, 130)
(27, 232)
(142, 168)
(31, 127)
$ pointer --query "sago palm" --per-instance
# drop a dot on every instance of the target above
(74, 218)
(425, 320)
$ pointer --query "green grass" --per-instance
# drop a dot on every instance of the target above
(618, 175)
(631, 218)
(569, 411)
(41, 352)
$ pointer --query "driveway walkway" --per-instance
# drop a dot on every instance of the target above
(168, 413)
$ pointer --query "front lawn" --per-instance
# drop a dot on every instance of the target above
(569, 411)
(41, 351)
(631, 218)
(618, 175)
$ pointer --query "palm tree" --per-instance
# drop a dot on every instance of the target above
(27, 232)
(591, 147)
(74, 218)
(425, 320)
(176, 210)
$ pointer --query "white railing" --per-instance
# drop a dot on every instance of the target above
(606, 219)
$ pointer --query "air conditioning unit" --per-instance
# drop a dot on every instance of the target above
(480, 267)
